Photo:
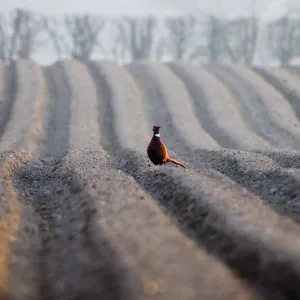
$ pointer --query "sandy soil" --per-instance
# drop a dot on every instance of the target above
(85, 215)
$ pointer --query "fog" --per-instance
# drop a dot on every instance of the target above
(230, 8)
(263, 10)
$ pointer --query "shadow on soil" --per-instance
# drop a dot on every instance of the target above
(73, 265)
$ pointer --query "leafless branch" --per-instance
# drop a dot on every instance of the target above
(181, 41)
(19, 35)
(137, 37)
(214, 47)
(284, 39)
(84, 32)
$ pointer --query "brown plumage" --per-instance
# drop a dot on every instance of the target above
(158, 152)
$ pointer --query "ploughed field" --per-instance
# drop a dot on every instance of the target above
(84, 214)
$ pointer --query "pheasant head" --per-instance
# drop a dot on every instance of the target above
(156, 131)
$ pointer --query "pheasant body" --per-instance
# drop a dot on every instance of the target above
(158, 152)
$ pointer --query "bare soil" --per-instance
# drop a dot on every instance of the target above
(84, 214)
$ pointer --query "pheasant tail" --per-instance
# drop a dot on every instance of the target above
(174, 161)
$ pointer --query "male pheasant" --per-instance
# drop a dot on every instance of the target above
(157, 151)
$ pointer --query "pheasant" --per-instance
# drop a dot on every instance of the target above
(157, 150)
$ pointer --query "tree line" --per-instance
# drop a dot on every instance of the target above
(184, 38)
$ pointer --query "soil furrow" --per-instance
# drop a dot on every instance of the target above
(169, 106)
(216, 110)
(85, 206)
(20, 240)
(2, 83)
(29, 89)
(286, 158)
(285, 82)
(89, 212)
(256, 113)
(85, 215)
(281, 114)
(145, 237)
(84, 129)
(232, 223)
(259, 174)
(293, 69)
(231, 229)
(9, 96)
(130, 129)
(55, 133)
(105, 108)
(68, 255)
(75, 264)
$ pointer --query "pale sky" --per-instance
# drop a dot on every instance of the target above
(115, 7)
(265, 9)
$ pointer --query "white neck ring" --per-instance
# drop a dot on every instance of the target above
(157, 134)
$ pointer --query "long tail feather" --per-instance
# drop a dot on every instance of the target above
(174, 161)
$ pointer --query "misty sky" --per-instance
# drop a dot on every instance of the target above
(230, 8)
(266, 9)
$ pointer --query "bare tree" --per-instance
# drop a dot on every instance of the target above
(5, 39)
(180, 41)
(83, 32)
(284, 39)
(115, 46)
(136, 36)
(239, 38)
(250, 30)
(57, 38)
(160, 48)
(19, 35)
(29, 34)
(214, 47)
